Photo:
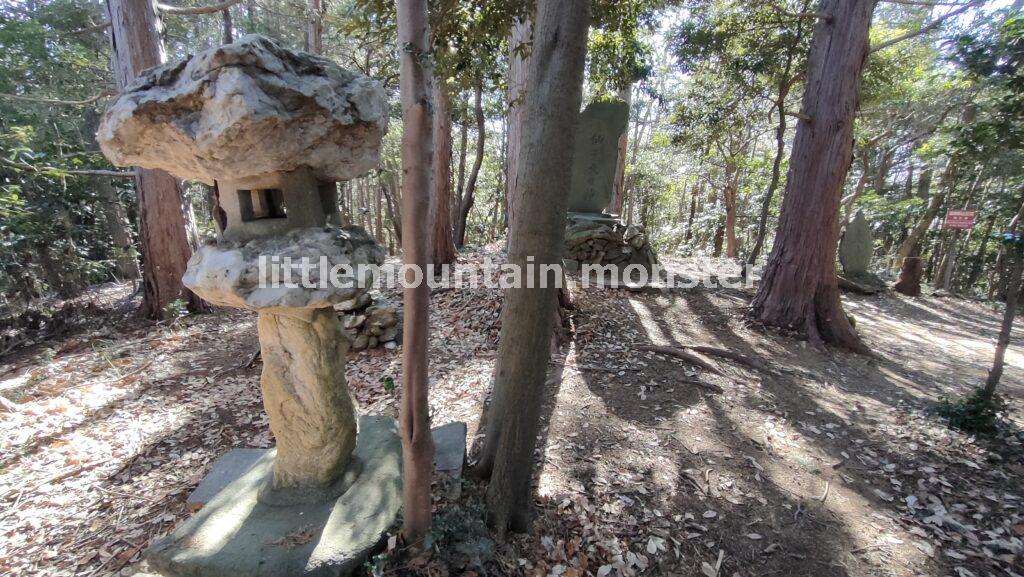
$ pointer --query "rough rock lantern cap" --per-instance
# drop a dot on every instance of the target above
(247, 110)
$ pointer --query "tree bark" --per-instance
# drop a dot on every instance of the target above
(520, 39)
(460, 179)
(229, 34)
(1006, 330)
(417, 156)
(773, 185)
(468, 198)
(542, 186)
(729, 197)
(442, 245)
(136, 46)
(625, 95)
(694, 193)
(125, 262)
(799, 289)
(911, 271)
(315, 26)
(949, 177)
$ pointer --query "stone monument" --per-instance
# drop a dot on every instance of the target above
(593, 236)
(596, 155)
(274, 130)
(857, 246)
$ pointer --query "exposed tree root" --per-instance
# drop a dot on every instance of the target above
(701, 384)
(683, 354)
(850, 286)
(749, 362)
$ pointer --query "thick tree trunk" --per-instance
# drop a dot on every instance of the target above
(136, 46)
(625, 95)
(442, 245)
(417, 143)
(543, 183)
(520, 40)
(466, 203)
(799, 289)
(229, 34)
(911, 271)
(125, 262)
(315, 26)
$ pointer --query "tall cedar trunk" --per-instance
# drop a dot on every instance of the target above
(125, 263)
(229, 34)
(625, 95)
(466, 204)
(315, 27)
(800, 289)
(417, 156)
(1013, 254)
(949, 178)
(543, 182)
(136, 46)
(442, 245)
(729, 194)
(520, 39)
(773, 185)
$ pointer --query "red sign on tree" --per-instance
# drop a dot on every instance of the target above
(960, 219)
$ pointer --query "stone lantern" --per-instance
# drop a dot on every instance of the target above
(274, 130)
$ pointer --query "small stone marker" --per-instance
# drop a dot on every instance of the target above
(857, 247)
(596, 154)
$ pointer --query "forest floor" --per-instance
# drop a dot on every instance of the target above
(825, 463)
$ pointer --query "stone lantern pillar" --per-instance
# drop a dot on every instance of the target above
(274, 130)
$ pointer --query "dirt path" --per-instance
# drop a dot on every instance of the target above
(826, 466)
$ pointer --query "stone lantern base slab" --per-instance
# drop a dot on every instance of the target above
(234, 535)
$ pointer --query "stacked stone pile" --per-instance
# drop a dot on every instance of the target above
(370, 322)
(607, 243)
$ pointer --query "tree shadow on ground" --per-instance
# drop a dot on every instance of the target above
(667, 447)
(846, 450)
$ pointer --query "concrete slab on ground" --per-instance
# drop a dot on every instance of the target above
(234, 535)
